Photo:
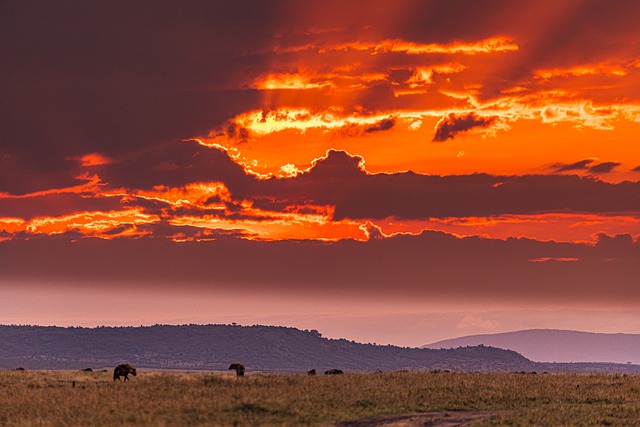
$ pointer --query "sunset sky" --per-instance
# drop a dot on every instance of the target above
(384, 171)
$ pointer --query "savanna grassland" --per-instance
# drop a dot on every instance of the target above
(51, 398)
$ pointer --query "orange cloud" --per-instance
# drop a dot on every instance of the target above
(92, 223)
(493, 44)
(423, 76)
(559, 106)
(93, 159)
(310, 80)
(581, 70)
(12, 225)
(489, 45)
(210, 195)
(268, 225)
(290, 81)
(548, 106)
(92, 185)
(259, 123)
(259, 146)
(452, 124)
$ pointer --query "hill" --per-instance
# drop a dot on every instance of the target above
(214, 347)
(260, 348)
(550, 345)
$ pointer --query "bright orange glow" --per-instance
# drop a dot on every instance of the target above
(514, 118)
(302, 81)
(288, 81)
(197, 194)
(12, 225)
(94, 159)
(260, 123)
(583, 70)
(92, 223)
(492, 44)
(423, 76)
(277, 226)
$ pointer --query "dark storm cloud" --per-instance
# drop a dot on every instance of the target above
(340, 180)
(171, 165)
(163, 229)
(413, 196)
(53, 205)
(90, 77)
(585, 165)
(580, 165)
(336, 165)
(236, 132)
(36, 155)
(356, 129)
(31, 168)
(430, 265)
(620, 246)
(452, 124)
(382, 125)
(605, 167)
(175, 165)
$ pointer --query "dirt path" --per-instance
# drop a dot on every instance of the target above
(430, 419)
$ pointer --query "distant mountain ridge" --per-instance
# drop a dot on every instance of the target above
(556, 345)
(260, 348)
(214, 347)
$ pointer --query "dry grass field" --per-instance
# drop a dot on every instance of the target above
(51, 398)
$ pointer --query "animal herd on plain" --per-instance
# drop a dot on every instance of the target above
(125, 369)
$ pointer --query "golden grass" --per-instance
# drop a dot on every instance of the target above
(48, 398)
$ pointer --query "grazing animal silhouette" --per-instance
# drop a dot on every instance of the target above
(238, 368)
(123, 371)
(333, 372)
(311, 372)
